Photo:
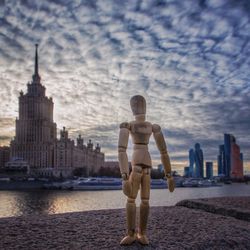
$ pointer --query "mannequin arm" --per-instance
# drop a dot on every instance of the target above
(122, 150)
(161, 145)
(123, 158)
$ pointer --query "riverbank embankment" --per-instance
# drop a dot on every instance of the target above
(176, 227)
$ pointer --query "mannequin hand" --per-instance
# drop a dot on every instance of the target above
(171, 184)
(126, 187)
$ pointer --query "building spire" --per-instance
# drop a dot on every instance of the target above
(36, 77)
(36, 61)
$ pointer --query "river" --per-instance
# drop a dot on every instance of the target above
(18, 203)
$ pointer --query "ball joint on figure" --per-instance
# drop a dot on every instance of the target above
(140, 131)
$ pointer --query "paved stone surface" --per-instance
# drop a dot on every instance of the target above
(169, 228)
(237, 207)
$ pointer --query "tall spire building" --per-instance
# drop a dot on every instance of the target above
(36, 135)
(35, 128)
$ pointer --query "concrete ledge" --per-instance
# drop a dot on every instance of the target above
(237, 207)
(169, 228)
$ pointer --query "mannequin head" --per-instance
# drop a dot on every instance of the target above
(138, 107)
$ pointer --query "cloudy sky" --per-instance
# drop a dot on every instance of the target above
(189, 59)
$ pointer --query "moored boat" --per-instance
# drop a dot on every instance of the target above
(158, 184)
(190, 183)
(98, 184)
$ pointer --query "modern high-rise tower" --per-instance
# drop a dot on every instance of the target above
(230, 159)
(199, 162)
(209, 169)
(221, 160)
(191, 162)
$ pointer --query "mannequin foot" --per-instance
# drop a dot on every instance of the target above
(128, 240)
(143, 239)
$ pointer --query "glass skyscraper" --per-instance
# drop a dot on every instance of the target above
(199, 163)
(191, 162)
(228, 140)
(209, 170)
(230, 160)
(221, 160)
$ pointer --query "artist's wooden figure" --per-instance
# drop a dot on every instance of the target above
(140, 131)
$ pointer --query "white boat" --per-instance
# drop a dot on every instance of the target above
(112, 184)
(190, 183)
(199, 183)
(69, 184)
(98, 184)
(205, 183)
(158, 184)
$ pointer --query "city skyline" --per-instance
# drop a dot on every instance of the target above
(190, 63)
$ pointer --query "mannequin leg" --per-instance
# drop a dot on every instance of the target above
(135, 179)
(144, 207)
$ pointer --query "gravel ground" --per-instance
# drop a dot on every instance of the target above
(169, 228)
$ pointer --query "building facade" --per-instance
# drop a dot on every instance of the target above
(199, 161)
(4, 156)
(196, 162)
(36, 139)
(186, 171)
(191, 162)
(209, 170)
(221, 160)
(230, 159)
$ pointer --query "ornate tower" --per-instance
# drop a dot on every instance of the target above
(35, 129)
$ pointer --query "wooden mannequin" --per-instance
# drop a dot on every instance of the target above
(140, 131)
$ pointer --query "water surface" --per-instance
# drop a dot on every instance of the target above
(17, 203)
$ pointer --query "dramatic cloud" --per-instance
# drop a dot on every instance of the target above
(190, 59)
